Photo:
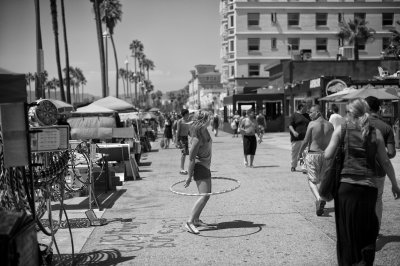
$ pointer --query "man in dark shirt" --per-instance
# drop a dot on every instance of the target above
(388, 137)
(298, 128)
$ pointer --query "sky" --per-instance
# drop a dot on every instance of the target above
(176, 34)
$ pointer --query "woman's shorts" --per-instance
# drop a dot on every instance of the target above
(249, 145)
(201, 172)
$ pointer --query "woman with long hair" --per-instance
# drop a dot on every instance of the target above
(355, 216)
(199, 167)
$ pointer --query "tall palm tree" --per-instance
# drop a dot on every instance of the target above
(39, 52)
(53, 7)
(122, 75)
(99, 30)
(51, 85)
(137, 48)
(73, 81)
(66, 52)
(42, 77)
(148, 65)
(80, 79)
(356, 33)
(111, 13)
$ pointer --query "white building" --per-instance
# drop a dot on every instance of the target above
(205, 88)
(257, 34)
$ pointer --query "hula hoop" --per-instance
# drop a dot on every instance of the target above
(206, 194)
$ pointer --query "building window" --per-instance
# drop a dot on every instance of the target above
(253, 44)
(321, 44)
(340, 17)
(294, 44)
(360, 15)
(273, 43)
(293, 19)
(231, 21)
(359, 1)
(321, 19)
(231, 46)
(340, 42)
(385, 43)
(361, 47)
(253, 19)
(273, 18)
(254, 70)
(232, 71)
(387, 19)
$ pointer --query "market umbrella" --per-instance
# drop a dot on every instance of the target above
(338, 95)
(369, 90)
(147, 116)
(154, 109)
(115, 104)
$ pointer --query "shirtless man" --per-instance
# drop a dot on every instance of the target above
(318, 135)
(249, 129)
(182, 133)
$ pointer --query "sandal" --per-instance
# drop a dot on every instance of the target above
(183, 172)
(200, 223)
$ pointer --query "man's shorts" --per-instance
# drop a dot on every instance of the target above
(201, 172)
(184, 144)
(314, 163)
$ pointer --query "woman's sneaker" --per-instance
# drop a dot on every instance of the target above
(191, 228)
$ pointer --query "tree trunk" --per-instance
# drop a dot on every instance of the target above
(356, 53)
(53, 5)
(66, 53)
(116, 65)
(39, 53)
(101, 46)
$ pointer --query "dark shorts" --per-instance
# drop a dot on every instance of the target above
(249, 145)
(184, 144)
(201, 172)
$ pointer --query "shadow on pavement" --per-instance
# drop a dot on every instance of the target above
(106, 200)
(100, 257)
(237, 224)
(144, 163)
(145, 171)
(154, 150)
(265, 166)
(383, 240)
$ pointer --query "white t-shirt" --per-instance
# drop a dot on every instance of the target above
(336, 120)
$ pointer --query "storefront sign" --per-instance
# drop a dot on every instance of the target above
(335, 85)
(45, 139)
(315, 83)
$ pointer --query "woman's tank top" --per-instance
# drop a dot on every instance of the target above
(203, 156)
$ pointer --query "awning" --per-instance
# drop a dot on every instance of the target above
(370, 90)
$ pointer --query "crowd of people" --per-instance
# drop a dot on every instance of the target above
(368, 145)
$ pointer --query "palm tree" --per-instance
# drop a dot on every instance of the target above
(137, 48)
(148, 65)
(122, 75)
(42, 78)
(66, 53)
(394, 47)
(29, 78)
(39, 52)
(53, 6)
(51, 85)
(73, 81)
(111, 13)
(101, 46)
(356, 33)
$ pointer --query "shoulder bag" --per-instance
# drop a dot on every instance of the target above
(331, 178)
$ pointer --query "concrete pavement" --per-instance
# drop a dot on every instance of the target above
(269, 220)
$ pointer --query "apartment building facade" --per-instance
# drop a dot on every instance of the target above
(257, 34)
(205, 88)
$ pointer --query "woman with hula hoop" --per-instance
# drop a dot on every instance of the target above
(199, 167)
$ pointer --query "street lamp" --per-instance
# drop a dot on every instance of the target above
(127, 77)
(106, 35)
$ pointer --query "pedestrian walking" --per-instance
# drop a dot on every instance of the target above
(199, 167)
(318, 135)
(298, 128)
(182, 133)
(215, 124)
(335, 118)
(356, 220)
(388, 137)
(236, 119)
(262, 125)
(248, 129)
(167, 131)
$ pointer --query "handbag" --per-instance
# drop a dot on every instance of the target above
(233, 125)
(330, 182)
